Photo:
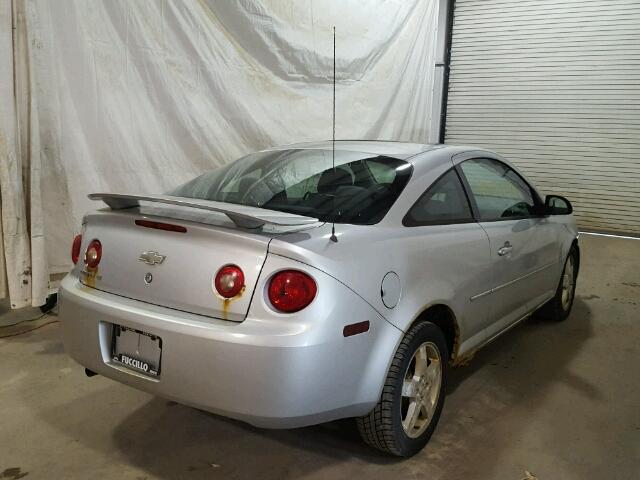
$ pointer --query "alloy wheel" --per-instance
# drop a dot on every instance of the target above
(568, 282)
(421, 389)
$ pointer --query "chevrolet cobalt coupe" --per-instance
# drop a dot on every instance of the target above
(300, 285)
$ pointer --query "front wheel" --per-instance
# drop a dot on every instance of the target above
(559, 307)
(413, 395)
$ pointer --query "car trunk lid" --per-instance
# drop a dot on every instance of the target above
(173, 267)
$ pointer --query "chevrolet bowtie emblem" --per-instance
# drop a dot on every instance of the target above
(151, 258)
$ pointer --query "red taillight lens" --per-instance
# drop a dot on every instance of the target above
(291, 291)
(75, 248)
(229, 281)
(93, 254)
(169, 227)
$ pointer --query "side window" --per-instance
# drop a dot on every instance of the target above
(499, 192)
(444, 202)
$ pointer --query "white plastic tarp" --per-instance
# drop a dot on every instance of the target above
(139, 96)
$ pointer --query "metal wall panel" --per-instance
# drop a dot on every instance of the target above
(555, 88)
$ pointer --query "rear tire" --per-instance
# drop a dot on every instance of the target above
(559, 307)
(413, 395)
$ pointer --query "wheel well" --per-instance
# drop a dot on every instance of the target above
(443, 317)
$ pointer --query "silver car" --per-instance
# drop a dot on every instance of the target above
(300, 285)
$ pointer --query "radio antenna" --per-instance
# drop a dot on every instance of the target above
(333, 237)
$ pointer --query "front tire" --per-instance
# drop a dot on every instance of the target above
(413, 395)
(559, 307)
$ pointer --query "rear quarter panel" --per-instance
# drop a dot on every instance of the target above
(436, 264)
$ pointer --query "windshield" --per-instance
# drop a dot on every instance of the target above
(360, 190)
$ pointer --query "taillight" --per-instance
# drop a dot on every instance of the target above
(229, 281)
(290, 291)
(169, 227)
(93, 254)
(75, 248)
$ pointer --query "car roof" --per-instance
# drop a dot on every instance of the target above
(423, 157)
(400, 150)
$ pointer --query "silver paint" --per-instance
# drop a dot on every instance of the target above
(222, 356)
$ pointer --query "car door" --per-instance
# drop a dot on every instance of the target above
(523, 244)
(450, 255)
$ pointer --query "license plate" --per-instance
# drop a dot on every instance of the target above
(137, 350)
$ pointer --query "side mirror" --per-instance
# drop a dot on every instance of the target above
(557, 205)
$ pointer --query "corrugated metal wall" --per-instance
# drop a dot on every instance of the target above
(555, 88)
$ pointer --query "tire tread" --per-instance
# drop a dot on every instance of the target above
(376, 428)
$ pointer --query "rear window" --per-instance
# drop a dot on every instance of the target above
(360, 190)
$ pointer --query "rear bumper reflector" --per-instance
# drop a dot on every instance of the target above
(355, 328)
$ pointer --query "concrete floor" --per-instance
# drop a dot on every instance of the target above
(561, 401)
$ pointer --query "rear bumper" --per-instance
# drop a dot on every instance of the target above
(275, 372)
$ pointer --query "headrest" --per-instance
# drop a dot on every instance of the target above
(244, 184)
(331, 179)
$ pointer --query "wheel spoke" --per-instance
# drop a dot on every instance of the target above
(421, 360)
(432, 371)
(425, 409)
(413, 412)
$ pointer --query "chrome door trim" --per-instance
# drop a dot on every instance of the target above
(480, 295)
(511, 282)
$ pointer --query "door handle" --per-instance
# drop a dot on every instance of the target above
(506, 248)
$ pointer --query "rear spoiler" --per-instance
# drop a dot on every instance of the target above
(242, 215)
